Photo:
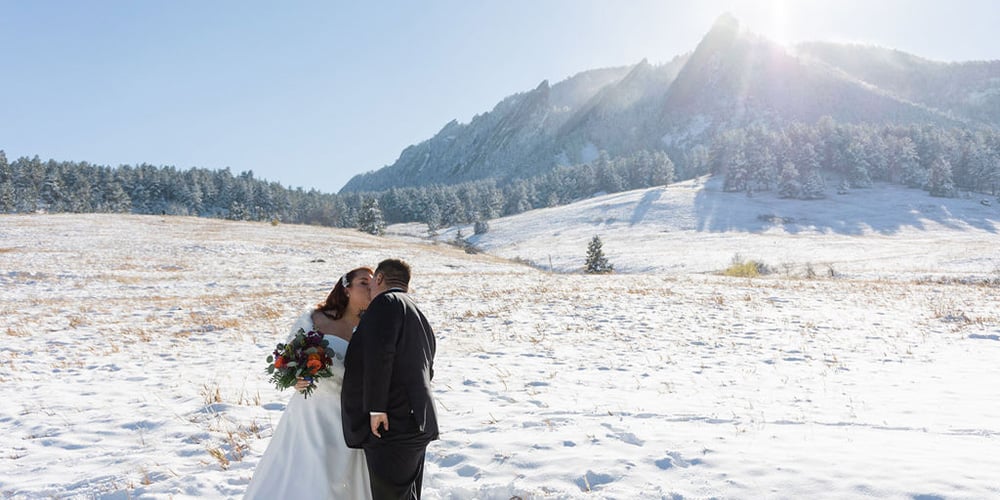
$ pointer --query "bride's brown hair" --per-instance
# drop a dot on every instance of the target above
(336, 303)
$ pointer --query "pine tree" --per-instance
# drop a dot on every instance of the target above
(370, 219)
(432, 216)
(813, 186)
(597, 263)
(6, 172)
(940, 182)
(857, 167)
(8, 198)
(788, 186)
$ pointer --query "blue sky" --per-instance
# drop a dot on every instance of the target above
(311, 93)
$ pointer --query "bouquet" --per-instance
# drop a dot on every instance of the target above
(304, 356)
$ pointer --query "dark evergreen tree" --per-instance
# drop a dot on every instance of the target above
(8, 198)
(597, 263)
(6, 172)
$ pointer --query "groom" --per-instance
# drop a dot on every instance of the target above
(386, 398)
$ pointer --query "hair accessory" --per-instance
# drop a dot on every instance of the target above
(344, 282)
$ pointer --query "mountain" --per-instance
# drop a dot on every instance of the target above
(970, 90)
(509, 140)
(732, 79)
(736, 78)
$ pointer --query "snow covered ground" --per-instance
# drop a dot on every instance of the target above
(694, 227)
(132, 350)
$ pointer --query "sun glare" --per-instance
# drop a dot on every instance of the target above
(778, 29)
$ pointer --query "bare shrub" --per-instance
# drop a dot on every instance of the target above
(741, 268)
(810, 271)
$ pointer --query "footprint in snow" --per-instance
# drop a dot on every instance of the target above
(623, 436)
(674, 459)
(468, 471)
(984, 337)
(451, 460)
(592, 479)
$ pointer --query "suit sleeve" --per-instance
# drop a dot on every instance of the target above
(380, 338)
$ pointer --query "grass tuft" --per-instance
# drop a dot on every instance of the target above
(742, 268)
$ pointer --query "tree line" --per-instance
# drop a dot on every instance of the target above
(797, 161)
(29, 185)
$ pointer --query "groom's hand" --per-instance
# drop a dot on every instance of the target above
(379, 419)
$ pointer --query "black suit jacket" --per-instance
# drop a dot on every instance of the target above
(388, 368)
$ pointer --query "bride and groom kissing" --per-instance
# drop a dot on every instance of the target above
(363, 432)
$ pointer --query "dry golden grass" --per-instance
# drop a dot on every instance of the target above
(68, 363)
(238, 445)
(145, 479)
(229, 323)
(220, 456)
(266, 311)
(77, 320)
(245, 399)
(128, 280)
(138, 333)
(211, 394)
(18, 331)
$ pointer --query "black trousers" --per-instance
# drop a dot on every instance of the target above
(396, 469)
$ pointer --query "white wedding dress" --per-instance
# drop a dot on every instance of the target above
(307, 457)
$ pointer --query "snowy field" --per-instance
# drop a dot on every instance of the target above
(694, 227)
(132, 351)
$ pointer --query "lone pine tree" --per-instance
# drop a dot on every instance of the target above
(597, 263)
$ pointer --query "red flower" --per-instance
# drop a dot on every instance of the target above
(314, 363)
(280, 362)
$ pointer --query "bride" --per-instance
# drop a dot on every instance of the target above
(307, 456)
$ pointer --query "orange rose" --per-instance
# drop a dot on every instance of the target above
(280, 362)
(313, 363)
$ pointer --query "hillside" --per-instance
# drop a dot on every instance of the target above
(694, 226)
(970, 89)
(732, 79)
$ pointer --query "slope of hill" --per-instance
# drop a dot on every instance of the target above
(732, 79)
(493, 144)
(694, 226)
(970, 89)
(133, 355)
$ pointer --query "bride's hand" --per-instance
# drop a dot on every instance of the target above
(301, 384)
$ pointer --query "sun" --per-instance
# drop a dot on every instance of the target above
(778, 28)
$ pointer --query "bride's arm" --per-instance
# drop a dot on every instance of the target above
(304, 322)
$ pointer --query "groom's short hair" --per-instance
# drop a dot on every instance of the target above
(396, 272)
